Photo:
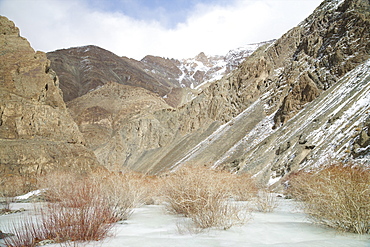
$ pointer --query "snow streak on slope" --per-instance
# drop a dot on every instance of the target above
(262, 130)
(225, 136)
(353, 98)
(326, 127)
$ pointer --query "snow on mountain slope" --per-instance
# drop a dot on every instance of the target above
(327, 129)
(203, 69)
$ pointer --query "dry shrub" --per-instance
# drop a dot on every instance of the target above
(62, 186)
(81, 207)
(337, 196)
(204, 196)
(83, 215)
(265, 201)
(242, 186)
(13, 185)
(86, 217)
(124, 191)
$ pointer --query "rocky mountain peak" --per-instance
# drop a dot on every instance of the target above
(37, 133)
(201, 57)
(8, 27)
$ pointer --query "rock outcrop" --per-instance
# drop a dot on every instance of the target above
(37, 133)
(118, 123)
(330, 128)
(335, 39)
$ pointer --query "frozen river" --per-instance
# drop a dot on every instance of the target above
(151, 226)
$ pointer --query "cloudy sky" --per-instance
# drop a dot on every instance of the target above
(168, 28)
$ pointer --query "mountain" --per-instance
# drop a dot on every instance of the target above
(123, 123)
(280, 80)
(302, 70)
(37, 133)
(296, 102)
(83, 69)
(267, 116)
(87, 68)
(196, 71)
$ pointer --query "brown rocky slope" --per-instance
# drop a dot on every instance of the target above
(86, 68)
(37, 133)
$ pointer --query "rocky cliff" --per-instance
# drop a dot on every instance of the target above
(118, 123)
(37, 133)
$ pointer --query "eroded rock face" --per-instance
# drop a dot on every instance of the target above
(335, 38)
(118, 123)
(37, 133)
(332, 127)
(296, 68)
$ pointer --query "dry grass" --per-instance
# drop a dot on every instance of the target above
(204, 196)
(335, 196)
(241, 186)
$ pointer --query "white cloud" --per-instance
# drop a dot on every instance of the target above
(214, 29)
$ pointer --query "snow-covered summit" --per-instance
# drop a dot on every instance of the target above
(206, 68)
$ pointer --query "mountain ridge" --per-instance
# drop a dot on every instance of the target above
(86, 68)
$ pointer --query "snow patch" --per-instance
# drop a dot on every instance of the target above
(29, 194)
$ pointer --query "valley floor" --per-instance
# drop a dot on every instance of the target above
(151, 226)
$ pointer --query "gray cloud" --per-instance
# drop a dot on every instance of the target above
(214, 29)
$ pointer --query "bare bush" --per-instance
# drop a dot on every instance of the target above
(337, 196)
(77, 211)
(82, 216)
(123, 191)
(82, 207)
(13, 185)
(265, 201)
(242, 186)
(203, 195)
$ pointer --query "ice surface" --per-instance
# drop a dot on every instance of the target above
(151, 226)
